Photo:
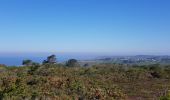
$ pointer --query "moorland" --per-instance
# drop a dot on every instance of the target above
(72, 81)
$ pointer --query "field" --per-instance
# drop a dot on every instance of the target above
(99, 82)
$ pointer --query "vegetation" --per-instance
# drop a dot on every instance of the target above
(72, 63)
(51, 81)
(27, 62)
(51, 60)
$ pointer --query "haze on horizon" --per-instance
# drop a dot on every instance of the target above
(91, 26)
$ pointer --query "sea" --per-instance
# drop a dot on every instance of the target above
(15, 59)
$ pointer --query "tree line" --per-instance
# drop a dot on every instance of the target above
(51, 60)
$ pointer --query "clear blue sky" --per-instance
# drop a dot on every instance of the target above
(102, 26)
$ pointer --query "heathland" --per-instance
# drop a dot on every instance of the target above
(72, 81)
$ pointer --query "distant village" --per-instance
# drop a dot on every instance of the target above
(139, 59)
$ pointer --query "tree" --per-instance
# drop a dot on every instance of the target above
(86, 65)
(72, 63)
(27, 62)
(50, 59)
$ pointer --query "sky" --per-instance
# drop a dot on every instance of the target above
(89, 26)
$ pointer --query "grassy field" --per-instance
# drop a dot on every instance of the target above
(99, 82)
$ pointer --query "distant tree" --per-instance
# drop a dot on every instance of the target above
(27, 62)
(72, 63)
(86, 65)
(50, 59)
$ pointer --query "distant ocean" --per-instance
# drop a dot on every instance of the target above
(16, 59)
